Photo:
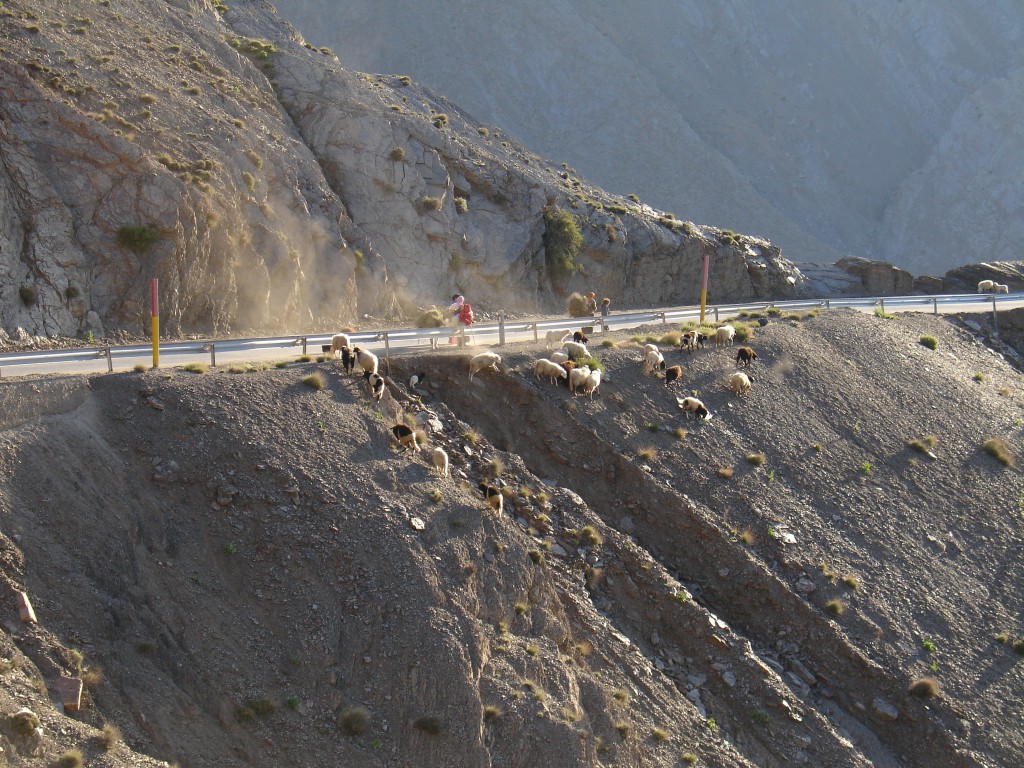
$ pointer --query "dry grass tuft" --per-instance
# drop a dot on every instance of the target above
(925, 687)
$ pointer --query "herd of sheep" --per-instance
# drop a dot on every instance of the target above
(571, 363)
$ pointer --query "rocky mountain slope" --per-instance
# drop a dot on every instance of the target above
(268, 187)
(245, 569)
(885, 130)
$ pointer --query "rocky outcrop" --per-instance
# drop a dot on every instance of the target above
(267, 187)
(965, 279)
(878, 278)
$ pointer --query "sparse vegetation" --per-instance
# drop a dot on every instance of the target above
(195, 367)
(929, 341)
(70, 759)
(979, 377)
(648, 454)
(354, 721)
(109, 737)
(924, 444)
(139, 239)
(852, 582)
(725, 473)
(562, 242)
(925, 687)
(660, 735)
(835, 607)
(623, 729)
(621, 696)
(998, 449)
(491, 713)
(315, 381)
(28, 295)
(757, 459)
(689, 758)
(589, 536)
(398, 153)
(435, 495)
(429, 724)
(431, 203)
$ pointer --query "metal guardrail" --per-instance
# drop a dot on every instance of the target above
(501, 331)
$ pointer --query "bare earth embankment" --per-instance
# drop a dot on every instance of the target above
(264, 579)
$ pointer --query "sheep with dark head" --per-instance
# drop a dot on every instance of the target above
(338, 342)
(673, 374)
(493, 496)
(348, 359)
(406, 436)
(693, 405)
(376, 384)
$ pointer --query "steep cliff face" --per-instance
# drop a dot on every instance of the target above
(821, 127)
(268, 187)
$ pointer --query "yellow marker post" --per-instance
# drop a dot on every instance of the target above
(154, 300)
(704, 289)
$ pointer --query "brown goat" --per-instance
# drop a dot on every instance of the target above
(673, 373)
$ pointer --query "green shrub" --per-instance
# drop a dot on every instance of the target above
(431, 203)
(70, 759)
(397, 154)
(576, 306)
(591, 362)
(441, 121)
(429, 724)
(431, 318)
(138, 239)
(461, 205)
(562, 242)
(28, 295)
(929, 341)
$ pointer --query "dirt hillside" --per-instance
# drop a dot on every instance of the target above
(246, 570)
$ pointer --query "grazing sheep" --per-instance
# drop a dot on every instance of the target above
(986, 286)
(1000, 288)
(577, 377)
(745, 355)
(567, 366)
(439, 458)
(724, 335)
(580, 337)
(675, 373)
(416, 379)
(550, 369)
(338, 342)
(376, 384)
(739, 383)
(483, 360)
(406, 436)
(575, 350)
(651, 347)
(592, 382)
(493, 496)
(688, 341)
(348, 360)
(558, 357)
(653, 361)
(558, 336)
(694, 406)
(367, 360)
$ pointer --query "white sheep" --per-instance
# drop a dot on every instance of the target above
(549, 369)
(578, 377)
(483, 360)
(592, 382)
(558, 335)
(724, 335)
(439, 458)
(651, 347)
(367, 360)
(739, 383)
(575, 350)
(558, 357)
(338, 342)
(653, 361)
(986, 286)
(1000, 288)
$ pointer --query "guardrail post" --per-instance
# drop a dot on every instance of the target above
(303, 346)
(110, 360)
(882, 304)
(213, 355)
(664, 321)
(501, 329)
(935, 305)
(387, 352)
(995, 317)
(535, 332)
(716, 314)
(827, 304)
